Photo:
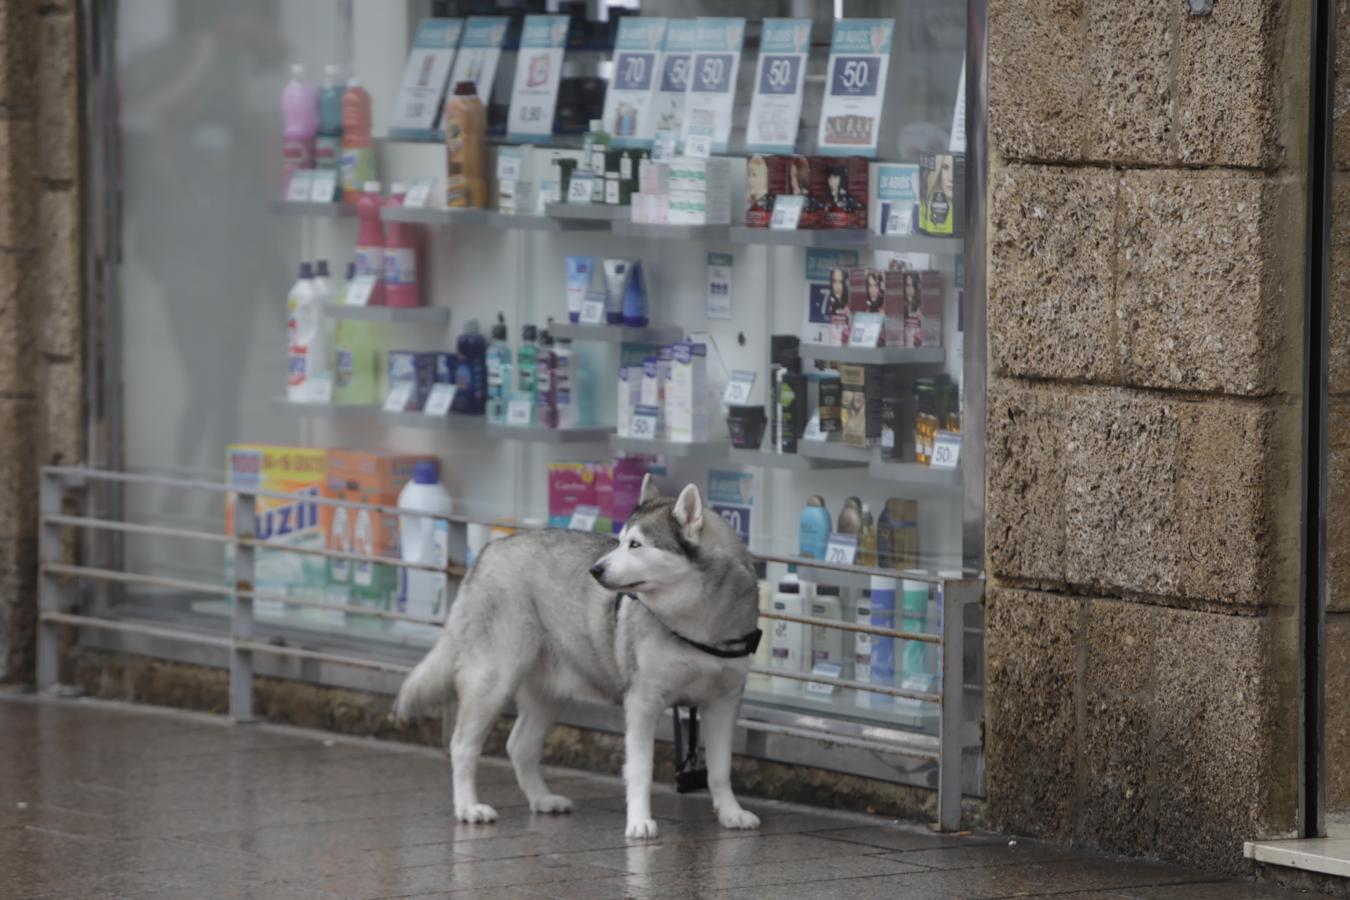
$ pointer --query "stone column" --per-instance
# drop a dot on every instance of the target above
(1146, 251)
(41, 328)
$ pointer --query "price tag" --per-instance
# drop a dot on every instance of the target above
(417, 195)
(738, 389)
(302, 182)
(508, 166)
(712, 79)
(534, 94)
(821, 691)
(593, 309)
(398, 398)
(645, 420)
(321, 389)
(520, 412)
(719, 285)
(440, 399)
(850, 116)
(663, 145)
(776, 109)
(323, 185)
(946, 450)
(787, 212)
(637, 63)
(841, 549)
(579, 189)
(583, 518)
(866, 330)
(359, 290)
(698, 146)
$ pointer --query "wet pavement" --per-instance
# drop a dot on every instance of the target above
(109, 800)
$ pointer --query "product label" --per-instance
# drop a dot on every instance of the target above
(896, 198)
(421, 96)
(671, 87)
(440, 399)
(299, 187)
(718, 299)
(358, 167)
(480, 49)
(776, 109)
(850, 117)
(841, 549)
(738, 389)
(538, 74)
(369, 260)
(731, 496)
(323, 186)
(629, 115)
(400, 266)
(712, 76)
(946, 451)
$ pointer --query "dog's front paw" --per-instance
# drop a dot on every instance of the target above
(737, 818)
(640, 829)
(551, 803)
(476, 814)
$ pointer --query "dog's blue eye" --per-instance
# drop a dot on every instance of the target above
(633, 545)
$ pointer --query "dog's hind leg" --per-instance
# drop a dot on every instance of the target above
(480, 702)
(536, 713)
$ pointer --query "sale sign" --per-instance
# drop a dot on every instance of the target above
(629, 113)
(673, 82)
(480, 49)
(776, 109)
(855, 87)
(538, 74)
(713, 68)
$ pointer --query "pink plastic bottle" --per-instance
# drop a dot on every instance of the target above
(401, 250)
(370, 239)
(300, 117)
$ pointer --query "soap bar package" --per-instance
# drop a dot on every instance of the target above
(942, 179)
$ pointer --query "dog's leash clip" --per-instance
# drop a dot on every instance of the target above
(691, 774)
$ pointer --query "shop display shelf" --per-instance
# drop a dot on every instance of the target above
(917, 243)
(523, 222)
(587, 212)
(420, 315)
(449, 422)
(319, 210)
(431, 215)
(593, 435)
(804, 237)
(326, 410)
(681, 449)
(617, 334)
(795, 462)
(874, 355)
(924, 478)
(835, 451)
(628, 228)
(856, 580)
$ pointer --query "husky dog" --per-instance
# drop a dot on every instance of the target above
(664, 616)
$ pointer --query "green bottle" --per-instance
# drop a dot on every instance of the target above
(528, 369)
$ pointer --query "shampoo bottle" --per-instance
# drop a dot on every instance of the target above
(358, 146)
(328, 145)
(370, 239)
(400, 256)
(299, 123)
(827, 644)
(498, 372)
(470, 371)
(867, 539)
(790, 643)
(527, 367)
(814, 529)
(862, 649)
(763, 653)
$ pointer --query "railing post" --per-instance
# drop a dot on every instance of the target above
(54, 591)
(241, 616)
(951, 660)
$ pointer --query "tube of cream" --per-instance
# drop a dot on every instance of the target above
(635, 299)
(617, 274)
(579, 269)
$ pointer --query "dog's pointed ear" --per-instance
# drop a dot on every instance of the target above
(650, 491)
(689, 512)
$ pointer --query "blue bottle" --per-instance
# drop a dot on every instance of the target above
(471, 371)
(498, 373)
(635, 299)
(814, 530)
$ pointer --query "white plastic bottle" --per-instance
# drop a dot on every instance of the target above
(307, 356)
(424, 540)
(791, 641)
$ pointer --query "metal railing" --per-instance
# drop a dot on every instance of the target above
(56, 599)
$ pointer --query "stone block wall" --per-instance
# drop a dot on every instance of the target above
(41, 300)
(1146, 251)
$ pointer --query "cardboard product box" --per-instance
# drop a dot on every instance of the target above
(927, 330)
(570, 484)
(863, 388)
(374, 478)
(766, 177)
(830, 402)
(793, 406)
(895, 198)
(282, 522)
(686, 411)
(839, 185)
(942, 206)
(903, 293)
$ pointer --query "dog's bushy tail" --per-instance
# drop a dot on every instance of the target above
(429, 682)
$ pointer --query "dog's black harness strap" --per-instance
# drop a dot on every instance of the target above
(743, 646)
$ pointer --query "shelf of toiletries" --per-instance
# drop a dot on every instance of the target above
(617, 334)
(681, 449)
(586, 212)
(793, 462)
(318, 210)
(418, 315)
(485, 218)
(881, 356)
(824, 455)
(450, 422)
(846, 239)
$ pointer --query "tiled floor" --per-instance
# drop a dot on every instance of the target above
(103, 800)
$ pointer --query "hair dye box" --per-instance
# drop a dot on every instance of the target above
(297, 522)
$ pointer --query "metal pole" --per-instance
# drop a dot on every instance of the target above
(241, 618)
(956, 595)
(53, 590)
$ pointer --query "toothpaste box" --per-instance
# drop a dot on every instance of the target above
(686, 411)
(282, 523)
(374, 478)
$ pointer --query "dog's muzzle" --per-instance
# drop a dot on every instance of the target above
(598, 572)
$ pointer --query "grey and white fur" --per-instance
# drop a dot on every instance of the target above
(547, 616)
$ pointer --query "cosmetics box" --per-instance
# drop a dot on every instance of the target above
(686, 411)
(765, 179)
(746, 425)
(863, 388)
(839, 186)
(942, 180)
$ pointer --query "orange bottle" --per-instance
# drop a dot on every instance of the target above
(465, 148)
(358, 147)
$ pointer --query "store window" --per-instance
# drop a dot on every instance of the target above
(724, 243)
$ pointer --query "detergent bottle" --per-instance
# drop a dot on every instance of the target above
(424, 539)
(307, 345)
(470, 371)
(300, 122)
(358, 147)
(328, 146)
(370, 240)
(400, 256)
(465, 148)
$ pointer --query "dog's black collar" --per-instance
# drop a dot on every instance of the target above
(736, 648)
